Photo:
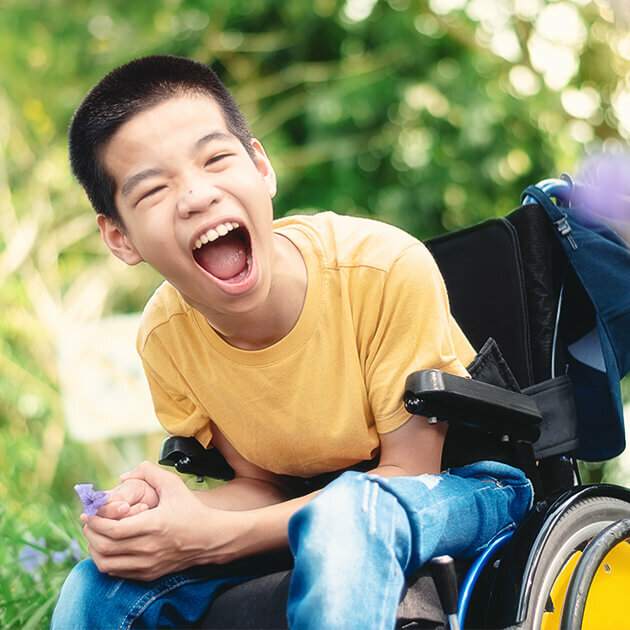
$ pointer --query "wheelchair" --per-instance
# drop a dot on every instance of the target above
(526, 290)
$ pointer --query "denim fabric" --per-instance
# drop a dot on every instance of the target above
(90, 600)
(356, 542)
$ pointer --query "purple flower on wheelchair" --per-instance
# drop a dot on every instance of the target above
(91, 499)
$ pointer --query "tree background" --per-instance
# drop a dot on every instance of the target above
(430, 114)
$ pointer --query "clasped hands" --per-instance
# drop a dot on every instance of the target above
(153, 524)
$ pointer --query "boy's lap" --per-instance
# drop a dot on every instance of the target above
(261, 604)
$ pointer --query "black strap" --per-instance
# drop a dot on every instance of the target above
(556, 215)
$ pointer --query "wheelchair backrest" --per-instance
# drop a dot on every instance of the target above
(516, 279)
(502, 283)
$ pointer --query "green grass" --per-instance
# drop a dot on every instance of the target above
(39, 510)
(39, 515)
(29, 589)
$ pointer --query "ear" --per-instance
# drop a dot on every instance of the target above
(117, 241)
(263, 164)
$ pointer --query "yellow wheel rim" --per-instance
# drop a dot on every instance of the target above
(608, 603)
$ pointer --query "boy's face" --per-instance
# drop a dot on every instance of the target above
(194, 204)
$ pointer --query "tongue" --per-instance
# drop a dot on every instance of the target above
(224, 258)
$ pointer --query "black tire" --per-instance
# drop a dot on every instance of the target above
(597, 555)
(579, 523)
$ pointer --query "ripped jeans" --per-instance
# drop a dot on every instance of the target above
(353, 544)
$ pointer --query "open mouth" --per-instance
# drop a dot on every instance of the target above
(224, 252)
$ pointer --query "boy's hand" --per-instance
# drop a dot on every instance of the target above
(131, 497)
(180, 532)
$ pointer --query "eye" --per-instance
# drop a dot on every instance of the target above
(150, 193)
(217, 158)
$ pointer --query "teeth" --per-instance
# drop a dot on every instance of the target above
(214, 233)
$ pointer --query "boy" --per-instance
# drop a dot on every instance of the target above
(284, 345)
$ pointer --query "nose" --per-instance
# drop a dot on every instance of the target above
(197, 195)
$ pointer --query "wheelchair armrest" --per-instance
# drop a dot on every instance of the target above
(459, 400)
(188, 456)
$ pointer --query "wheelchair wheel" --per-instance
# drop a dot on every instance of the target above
(562, 550)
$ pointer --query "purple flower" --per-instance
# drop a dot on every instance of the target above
(91, 499)
(31, 558)
(605, 190)
(59, 556)
(73, 551)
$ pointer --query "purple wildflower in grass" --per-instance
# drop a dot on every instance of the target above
(59, 556)
(91, 499)
(75, 550)
(72, 551)
(31, 558)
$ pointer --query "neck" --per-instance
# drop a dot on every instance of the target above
(278, 314)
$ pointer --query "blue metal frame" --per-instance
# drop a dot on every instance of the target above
(473, 573)
(559, 188)
(533, 540)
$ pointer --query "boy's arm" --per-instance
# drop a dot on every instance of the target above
(415, 448)
(412, 449)
(252, 487)
(183, 530)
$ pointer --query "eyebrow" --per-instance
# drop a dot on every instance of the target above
(211, 137)
(131, 182)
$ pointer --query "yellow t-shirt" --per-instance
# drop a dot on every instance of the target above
(375, 310)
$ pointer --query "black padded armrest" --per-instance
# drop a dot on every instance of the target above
(459, 400)
(188, 456)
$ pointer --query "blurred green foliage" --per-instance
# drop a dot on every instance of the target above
(430, 114)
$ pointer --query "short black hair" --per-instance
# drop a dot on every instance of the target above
(126, 91)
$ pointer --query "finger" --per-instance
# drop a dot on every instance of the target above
(138, 557)
(107, 547)
(129, 492)
(136, 566)
(124, 510)
(120, 565)
(137, 508)
(115, 510)
(155, 476)
(143, 523)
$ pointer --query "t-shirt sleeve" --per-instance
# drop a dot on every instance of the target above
(178, 412)
(414, 330)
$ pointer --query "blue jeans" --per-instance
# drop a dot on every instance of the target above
(90, 600)
(353, 545)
